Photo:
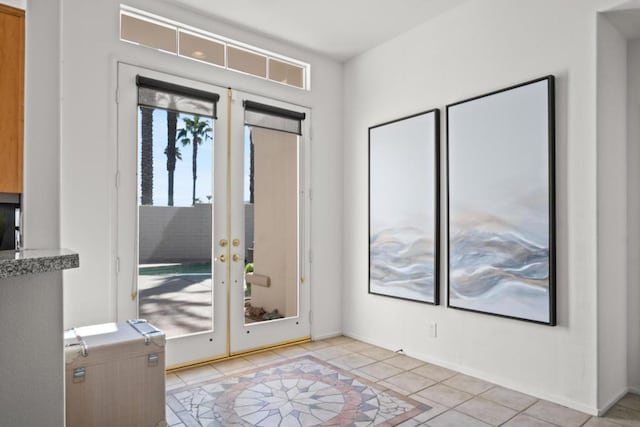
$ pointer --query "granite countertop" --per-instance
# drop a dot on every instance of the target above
(30, 261)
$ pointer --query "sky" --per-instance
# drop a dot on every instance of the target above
(183, 177)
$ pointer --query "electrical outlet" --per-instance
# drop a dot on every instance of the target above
(433, 330)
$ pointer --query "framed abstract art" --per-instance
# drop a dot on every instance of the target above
(404, 207)
(501, 223)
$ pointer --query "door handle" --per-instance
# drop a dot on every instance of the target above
(235, 257)
(222, 258)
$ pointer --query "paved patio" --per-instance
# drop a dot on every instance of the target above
(178, 304)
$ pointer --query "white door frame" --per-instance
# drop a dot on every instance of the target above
(259, 335)
(197, 346)
(230, 335)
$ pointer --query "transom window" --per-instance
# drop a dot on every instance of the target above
(144, 29)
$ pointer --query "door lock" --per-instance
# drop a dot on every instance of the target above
(236, 242)
(223, 243)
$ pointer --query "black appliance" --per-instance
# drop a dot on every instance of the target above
(9, 226)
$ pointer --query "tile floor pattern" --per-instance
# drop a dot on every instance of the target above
(299, 392)
(341, 381)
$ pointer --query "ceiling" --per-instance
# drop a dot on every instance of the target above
(627, 21)
(626, 17)
(339, 29)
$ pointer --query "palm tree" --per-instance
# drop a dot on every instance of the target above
(171, 151)
(146, 156)
(200, 131)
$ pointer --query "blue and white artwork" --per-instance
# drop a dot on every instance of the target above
(500, 169)
(403, 208)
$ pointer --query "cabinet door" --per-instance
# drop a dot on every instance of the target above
(12, 99)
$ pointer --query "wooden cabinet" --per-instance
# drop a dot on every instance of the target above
(11, 98)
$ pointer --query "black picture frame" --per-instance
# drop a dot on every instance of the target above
(405, 152)
(501, 251)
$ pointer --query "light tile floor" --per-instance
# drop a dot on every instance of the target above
(456, 399)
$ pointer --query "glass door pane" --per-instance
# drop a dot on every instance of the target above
(172, 215)
(270, 287)
(175, 221)
(271, 225)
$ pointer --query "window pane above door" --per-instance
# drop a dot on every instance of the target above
(148, 33)
(246, 61)
(201, 48)
(283, 72)
(169, 36)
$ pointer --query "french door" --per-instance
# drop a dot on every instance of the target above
(212, 227)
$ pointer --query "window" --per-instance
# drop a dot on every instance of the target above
(200, 48)
(148, 33)
(175, 123)
(246, 61)
(172, 37)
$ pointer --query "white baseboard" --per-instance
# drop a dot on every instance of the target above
(372, 342)
(532, 391)
(634, 390)
(613, 401)
(324, 336)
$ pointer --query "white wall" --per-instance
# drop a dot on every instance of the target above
(31, 360)
(20, 4)
(633, 308)
(41, 199)
(612, 212)
(32, 305)
(469, 51)
(91, 47)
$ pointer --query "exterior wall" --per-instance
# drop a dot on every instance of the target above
(180, 233)
(174, 234)
(276, 212)
(458, 55)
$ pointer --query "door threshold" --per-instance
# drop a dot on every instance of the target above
(257, 350)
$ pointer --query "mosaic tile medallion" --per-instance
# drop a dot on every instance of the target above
(298, 392)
